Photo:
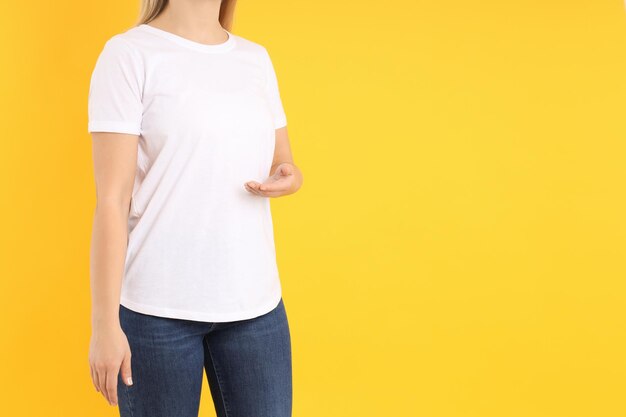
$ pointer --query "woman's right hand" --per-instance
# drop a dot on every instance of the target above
(109, 353)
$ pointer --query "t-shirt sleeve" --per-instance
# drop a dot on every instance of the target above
(275, 102)
(115, 91)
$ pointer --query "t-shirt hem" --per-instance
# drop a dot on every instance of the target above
(281, 122)
(201, 316)
(113, 126)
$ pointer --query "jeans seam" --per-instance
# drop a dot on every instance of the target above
(219, 381)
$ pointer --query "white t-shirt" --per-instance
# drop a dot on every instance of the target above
(200, 246)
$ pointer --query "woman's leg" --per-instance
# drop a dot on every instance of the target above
(166, 363)
(248, 366)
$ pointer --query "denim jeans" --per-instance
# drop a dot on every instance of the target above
(247, 363)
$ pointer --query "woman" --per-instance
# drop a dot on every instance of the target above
(189, 143)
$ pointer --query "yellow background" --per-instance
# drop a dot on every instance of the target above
(457, 248)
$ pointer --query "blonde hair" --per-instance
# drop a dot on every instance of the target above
(151, 9)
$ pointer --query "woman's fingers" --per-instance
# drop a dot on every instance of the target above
(253, 187)
(111, 385)
(279, 185)
(126, 370)
(94, 379)
(101, 378)
(265, 193)
(108, 349)
(270, 189)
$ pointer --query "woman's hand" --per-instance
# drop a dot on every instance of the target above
(285, 180)
(109, 352)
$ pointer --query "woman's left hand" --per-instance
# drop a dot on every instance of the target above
(283, 181)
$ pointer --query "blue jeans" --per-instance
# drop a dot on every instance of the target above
(247, 363)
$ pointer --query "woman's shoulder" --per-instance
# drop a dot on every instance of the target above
(122, 43)
(250, 45)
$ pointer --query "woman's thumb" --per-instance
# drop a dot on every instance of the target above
(286, 169)
(125, 371)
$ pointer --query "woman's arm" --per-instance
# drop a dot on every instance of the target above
(115, 160)
(285, 177)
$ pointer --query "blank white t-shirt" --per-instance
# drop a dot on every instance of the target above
(200, 247)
